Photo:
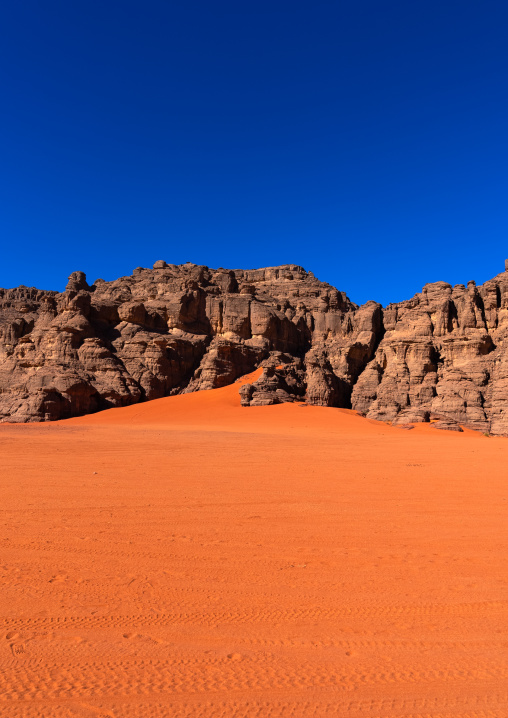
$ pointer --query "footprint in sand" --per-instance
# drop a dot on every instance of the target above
(59, 578)
(235, 656)
(143, 638)
(18, 650)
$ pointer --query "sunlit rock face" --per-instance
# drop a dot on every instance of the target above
(441, 356)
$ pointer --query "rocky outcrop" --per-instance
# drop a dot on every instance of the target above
(276, 385)
(161, 331)
(444, 352)
(441, 356)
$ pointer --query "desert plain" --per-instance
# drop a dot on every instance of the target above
(190, 557)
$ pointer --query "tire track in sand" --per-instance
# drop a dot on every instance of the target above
(255, 615)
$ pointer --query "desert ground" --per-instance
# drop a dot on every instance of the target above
(190, 557)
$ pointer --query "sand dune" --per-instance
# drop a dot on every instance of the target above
(188, 557)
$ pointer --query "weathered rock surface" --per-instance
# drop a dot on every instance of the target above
(444, 352)
(278, 384)
(440, 356)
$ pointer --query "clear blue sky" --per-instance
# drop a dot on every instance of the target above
(364, 140)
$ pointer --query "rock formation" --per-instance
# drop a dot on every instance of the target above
(441, 356)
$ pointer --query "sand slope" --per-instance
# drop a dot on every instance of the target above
(188, 557)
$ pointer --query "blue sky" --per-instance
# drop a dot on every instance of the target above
(366, 141)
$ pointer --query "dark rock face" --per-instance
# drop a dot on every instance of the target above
(278, 384)
(440, 356)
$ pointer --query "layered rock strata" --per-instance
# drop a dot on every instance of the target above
(441, 356)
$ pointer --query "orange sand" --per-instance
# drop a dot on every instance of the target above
(188, 557)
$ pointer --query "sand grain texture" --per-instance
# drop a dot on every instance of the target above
(188, 557)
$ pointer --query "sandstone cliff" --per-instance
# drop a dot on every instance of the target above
(442, 355)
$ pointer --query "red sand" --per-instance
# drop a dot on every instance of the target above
(188, 557)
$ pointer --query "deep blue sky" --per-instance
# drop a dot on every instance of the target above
(364, 140)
